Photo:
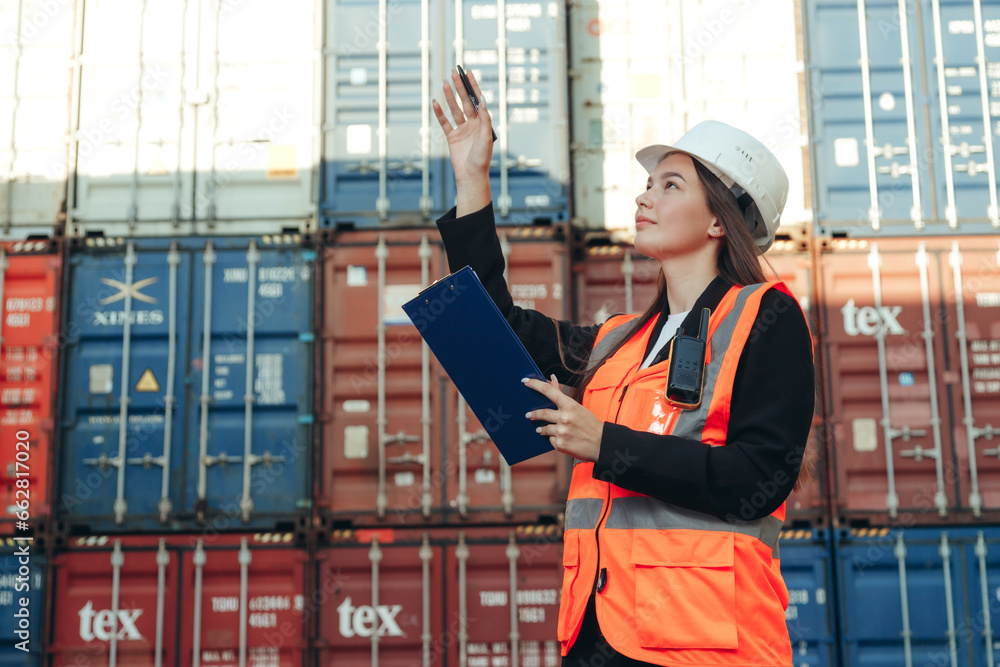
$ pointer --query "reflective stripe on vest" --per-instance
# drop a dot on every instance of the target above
(644, 512)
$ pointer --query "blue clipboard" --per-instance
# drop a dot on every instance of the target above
(484, 358)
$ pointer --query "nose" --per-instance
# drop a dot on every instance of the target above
(641, 198)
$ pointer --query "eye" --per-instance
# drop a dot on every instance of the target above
(670, 184)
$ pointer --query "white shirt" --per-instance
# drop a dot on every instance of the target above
(669, 329)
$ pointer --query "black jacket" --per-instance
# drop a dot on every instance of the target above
(772, 404)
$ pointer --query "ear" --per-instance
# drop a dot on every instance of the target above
(715, 230)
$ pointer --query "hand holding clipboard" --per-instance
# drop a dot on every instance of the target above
(485, 360)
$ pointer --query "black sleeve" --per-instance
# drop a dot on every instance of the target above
(770, 417)
(472, 241)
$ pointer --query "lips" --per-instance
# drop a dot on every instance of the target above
(640, 220)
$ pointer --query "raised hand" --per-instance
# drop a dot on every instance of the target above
(470, 142)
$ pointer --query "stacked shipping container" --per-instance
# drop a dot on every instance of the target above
(257, 461)
(903, 140)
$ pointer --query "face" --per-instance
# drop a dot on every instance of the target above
(672, 216)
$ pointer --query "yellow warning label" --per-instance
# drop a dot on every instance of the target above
(147, 382)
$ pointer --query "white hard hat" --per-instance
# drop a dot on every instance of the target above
(742, 163)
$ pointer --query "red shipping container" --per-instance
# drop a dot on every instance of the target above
(895, 405)
(386, 456)
(481, 486)
(613, 279)
(30, 278)
(971, 289)
(208, 600)
(448, 596)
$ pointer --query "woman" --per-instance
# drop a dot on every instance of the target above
(670, 544)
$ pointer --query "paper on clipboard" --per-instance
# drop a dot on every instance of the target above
(484, 358)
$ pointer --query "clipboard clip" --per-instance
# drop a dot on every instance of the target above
(433, 284)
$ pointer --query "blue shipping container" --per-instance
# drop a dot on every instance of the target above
(13, 587)
(187, 399)
(903, 119)
(806, 566)
(915, 596)
(385, 157)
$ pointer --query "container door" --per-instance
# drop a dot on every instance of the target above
(133, 171)
(384, 604)
(242, 605)
(125, 368)
(382, 387)
(807, 568)
(116, 606)
(962, 51)
(971, 281)
(901, 597)
(23, 626)
(35, 60)
(383, 162)
(29, 305)
(251, 351)
(520, 61)
(483, 486)
(868, 129)
(884, 355)
(256, 127)
(504, 593)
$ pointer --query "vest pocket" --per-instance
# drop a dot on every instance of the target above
(571, 570)
(685, 588)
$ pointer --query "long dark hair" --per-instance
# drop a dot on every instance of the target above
(738, 262)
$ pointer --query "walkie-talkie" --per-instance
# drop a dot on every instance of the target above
(686, 378)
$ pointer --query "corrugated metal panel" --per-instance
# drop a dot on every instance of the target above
(807, 568)
(885, 364)
(19, 581)
(905, 131)
(194, 600)
(934, 372)
(613, 278)
(386, 163)
(982, 569)
(385, 451)
(476, 597)
(230, 447)
(381, 391)
(30, 280)
(35, 58)
(187, 126)
(647, 71)
(971, 294)
(905, 596)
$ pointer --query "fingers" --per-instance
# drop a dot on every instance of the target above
(470, 110)
(546, 389)
(456, 111)
(442, 119)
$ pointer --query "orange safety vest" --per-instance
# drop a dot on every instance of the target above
(678, 587)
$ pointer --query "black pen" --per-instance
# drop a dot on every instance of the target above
(472, 95)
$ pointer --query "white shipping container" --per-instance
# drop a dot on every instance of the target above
(36, 47)
(646, 71)
(195, 115)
